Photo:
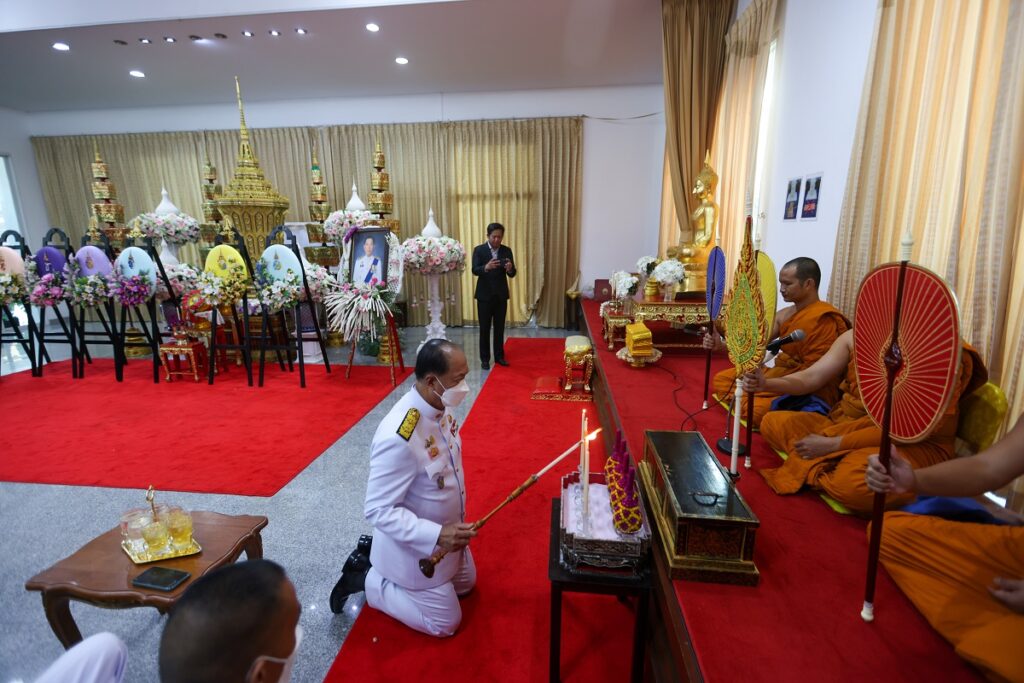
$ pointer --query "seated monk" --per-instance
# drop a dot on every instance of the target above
(821, 322)
(966, 579)
(830, 453)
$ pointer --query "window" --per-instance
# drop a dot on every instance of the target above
(9, 216)
(760, 159)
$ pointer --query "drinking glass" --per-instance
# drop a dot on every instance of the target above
(132, 524)
(179, 524)
(156, 537)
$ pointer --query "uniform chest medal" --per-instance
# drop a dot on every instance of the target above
(440, 482)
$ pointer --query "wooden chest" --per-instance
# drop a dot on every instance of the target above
(705, 526)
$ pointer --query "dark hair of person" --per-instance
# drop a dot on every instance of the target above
(806, 269)
(432, 358)
(220, 625)
(495, 226)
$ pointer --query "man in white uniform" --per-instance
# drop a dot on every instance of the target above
(367, 265)
(416, 501)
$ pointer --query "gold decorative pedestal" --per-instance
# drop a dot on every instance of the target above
(133, 336)
(335, 339)
(384, 356)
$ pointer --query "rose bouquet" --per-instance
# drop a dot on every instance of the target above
(321, 282)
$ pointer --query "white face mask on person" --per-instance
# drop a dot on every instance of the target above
(455, 395)
(286, 664)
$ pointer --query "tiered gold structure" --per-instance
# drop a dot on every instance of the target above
(211, 193)
(381, 201)
(106, 210)
(250, 204)
(319, 205)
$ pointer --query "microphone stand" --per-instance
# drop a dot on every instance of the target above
(725, 443)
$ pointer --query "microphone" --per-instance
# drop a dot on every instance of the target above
(776, 344)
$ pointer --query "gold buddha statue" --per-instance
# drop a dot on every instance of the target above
(694, 255)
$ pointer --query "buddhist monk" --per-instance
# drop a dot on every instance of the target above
(830, 452)
(966, 579)
(820, 321)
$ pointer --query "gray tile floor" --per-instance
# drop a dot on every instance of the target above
(314, 523)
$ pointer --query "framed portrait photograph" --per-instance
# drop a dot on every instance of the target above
(792, 199)
(812, 189)
(369, 256)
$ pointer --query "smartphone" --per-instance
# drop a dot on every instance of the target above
(160, 578)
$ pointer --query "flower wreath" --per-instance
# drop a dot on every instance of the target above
(85, 290)
(13, 289)
(277, 294)
(223, 290)
(172, 228)
(130, 291)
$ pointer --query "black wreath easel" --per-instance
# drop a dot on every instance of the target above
(243, 340)
(14, 240)
(292, 344)
(108, 335)
(151, 328)
(68, 333)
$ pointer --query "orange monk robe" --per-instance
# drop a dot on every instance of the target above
(841, 474)
(945, 568)
(822, 323)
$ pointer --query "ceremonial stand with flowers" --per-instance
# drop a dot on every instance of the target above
(87, 289)
(365, 309)
(132, 284)
(14, 294)
(432, 254)
(46, 284)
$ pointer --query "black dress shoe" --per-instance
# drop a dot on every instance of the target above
(363, 547)
(353, 580)
(485, 364)
(502, 362)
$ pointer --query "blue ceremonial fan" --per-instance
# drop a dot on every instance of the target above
(279, 260)
(715, 290)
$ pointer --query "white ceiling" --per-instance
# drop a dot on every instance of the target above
(467, 46)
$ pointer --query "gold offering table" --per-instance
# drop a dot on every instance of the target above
(690, 311)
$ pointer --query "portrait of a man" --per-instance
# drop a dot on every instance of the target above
(369, 257)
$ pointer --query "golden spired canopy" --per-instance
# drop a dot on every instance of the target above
(249, 203)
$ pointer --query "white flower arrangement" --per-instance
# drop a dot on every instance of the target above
(172, 228)
(646, 264)
(668, 272)
(277, 294)
(222, 290)
(13, 289)
(184, 279)
(624, 285)
(320, 281)
(355, 309)
(340, 225)
(433, 255)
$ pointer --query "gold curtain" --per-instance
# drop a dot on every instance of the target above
(525, 174)
(693, 57)
(734, 146)
(939, 153)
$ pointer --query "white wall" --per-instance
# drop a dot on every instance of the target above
(823, 53)
(622, 159)
(14, 142)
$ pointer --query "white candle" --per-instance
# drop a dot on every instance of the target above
(736, 428)
(585, 477)
(566, 453)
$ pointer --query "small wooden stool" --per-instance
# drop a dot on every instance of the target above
(579, 358)
(194, 350)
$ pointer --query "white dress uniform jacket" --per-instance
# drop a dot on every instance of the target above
(415, 486)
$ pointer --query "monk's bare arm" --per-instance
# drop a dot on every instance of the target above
(809, 380)
(994, 467)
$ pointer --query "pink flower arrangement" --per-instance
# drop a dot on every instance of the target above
(341, 225)
(48, 290)
(433, 255)
(134, 290)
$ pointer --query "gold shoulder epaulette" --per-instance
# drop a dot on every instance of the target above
(405, 430)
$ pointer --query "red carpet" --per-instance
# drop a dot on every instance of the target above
(803, 621)
(178, 436)
(505, 626)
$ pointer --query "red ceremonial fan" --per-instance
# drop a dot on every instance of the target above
(906, 347)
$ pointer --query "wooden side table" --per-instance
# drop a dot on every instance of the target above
(565, 581)
(100, 573)
(194, 351)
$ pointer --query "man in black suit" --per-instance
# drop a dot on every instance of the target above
(493, 265)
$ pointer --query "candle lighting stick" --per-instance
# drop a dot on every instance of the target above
(427, 564)
(737, 407)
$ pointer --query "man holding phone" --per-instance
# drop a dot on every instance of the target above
(493, 265)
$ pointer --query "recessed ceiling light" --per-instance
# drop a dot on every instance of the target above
(220, 36)
(401, 60)
(145, 41)
(195, 39)
(372, 28)
(247, 34)
(61, 47)
(120, 42)
(136, 73)
(274, 32)
(170, 39)
(301, 31)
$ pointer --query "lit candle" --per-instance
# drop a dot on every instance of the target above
(585, 477)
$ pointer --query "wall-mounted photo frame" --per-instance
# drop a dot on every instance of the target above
(812, 195)
(369, 256)
(792, 199)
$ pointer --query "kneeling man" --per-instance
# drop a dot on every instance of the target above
(416, 501)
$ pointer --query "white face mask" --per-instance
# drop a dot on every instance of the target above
(286, 664)
(454, 396)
